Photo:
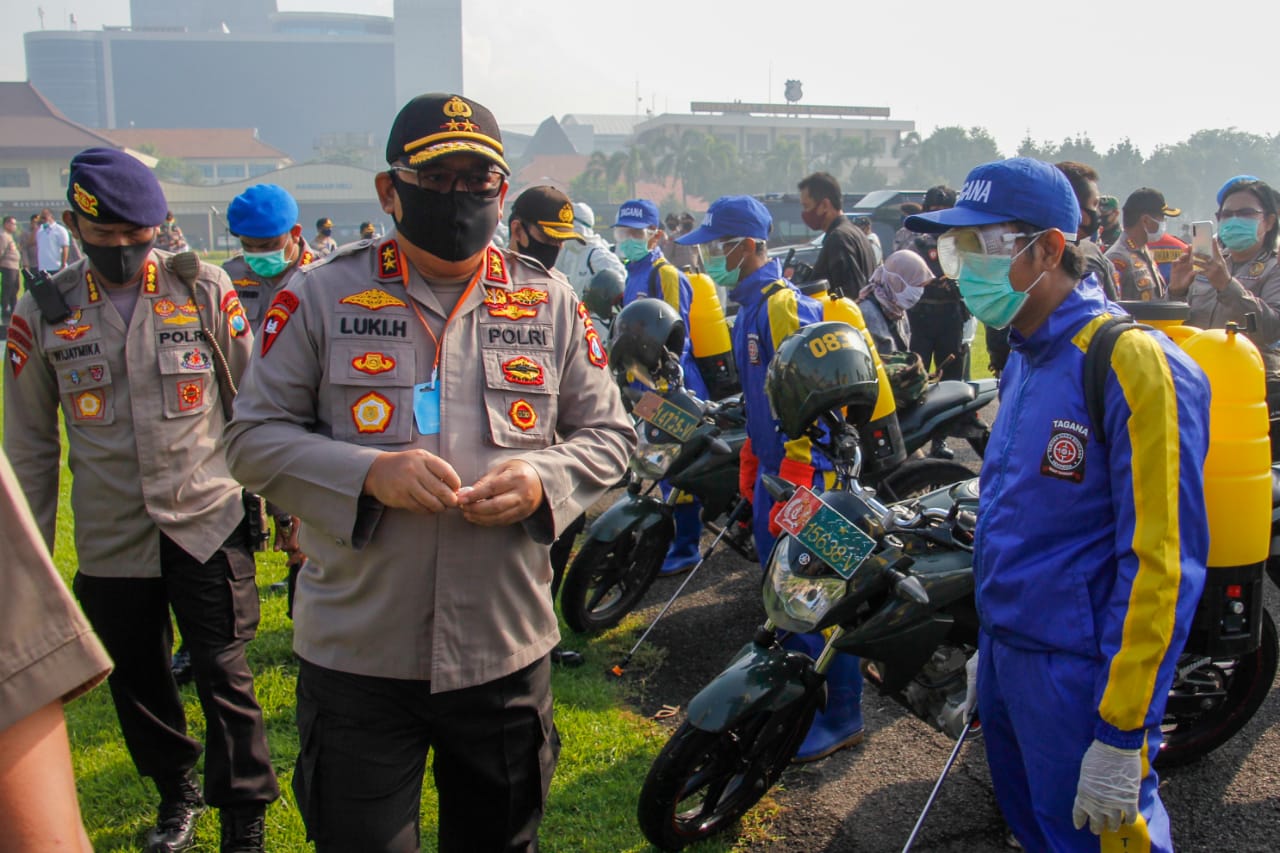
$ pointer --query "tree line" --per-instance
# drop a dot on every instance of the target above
(1188, 172)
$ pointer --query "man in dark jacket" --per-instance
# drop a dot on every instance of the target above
(846, 259)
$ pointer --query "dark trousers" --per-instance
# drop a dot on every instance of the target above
(936, 332)
(216, 606)
(8, 291)
(364, 743)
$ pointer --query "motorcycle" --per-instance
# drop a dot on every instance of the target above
(894, 585)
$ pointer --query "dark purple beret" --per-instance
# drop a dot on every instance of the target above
(106, 185)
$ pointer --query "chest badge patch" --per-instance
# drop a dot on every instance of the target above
(72, 328)
(523, 370)
(372, 412)
(89, 405)
(373, 363)
(502, 304)
(236, 320)
(1064, 457)
(273, 323)
(195, 360)
(523, 415)
(190, 394)
(373, 300)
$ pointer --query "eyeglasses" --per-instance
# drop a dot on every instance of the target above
(623, 232)
(717, 249)
(983, 240)
(486, 184)
(1239, 213)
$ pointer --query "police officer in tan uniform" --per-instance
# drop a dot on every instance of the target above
(117, 342)
(325, 244)
(436, 411)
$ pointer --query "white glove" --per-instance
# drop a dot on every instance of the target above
(971, 688)
(1107, 794)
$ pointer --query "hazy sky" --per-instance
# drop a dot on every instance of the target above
(1054, 69)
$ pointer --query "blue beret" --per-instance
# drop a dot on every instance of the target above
(262, 211)
(106, 185)
(1231, 182)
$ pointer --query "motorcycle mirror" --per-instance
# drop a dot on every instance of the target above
(909, 588)
(779, 489)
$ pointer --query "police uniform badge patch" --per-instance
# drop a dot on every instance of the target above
(596, 353)
(164, 308)
(373, 300)
(273, 322)
(372, 413)
(523, 370)
(85, 200)
(500, 304)
(89, 405)
(523, 415)
(94, 294)
(1255, 269)
(495, 267)
(150, 278)
(190, 394)
(16, 322)
(236, 320)
(753, 349)
(390, 262)
(373, 363)
(73, 329)
(195, 360)
(17, 334)
(1064, 457)
(16, 355)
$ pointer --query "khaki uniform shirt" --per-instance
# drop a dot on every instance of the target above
(1254, 289)
(1136, 275)
(9, 259)
(143, 412)
(523, 375)
(47, 650)
(324, 246)
(256, 292)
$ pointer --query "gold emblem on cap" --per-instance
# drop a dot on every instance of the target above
(566, 214)
(455, 107)
(85, 200)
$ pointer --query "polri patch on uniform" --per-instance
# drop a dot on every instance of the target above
(495, 267)
(595, 349)
(372, 413)
(150, 278)
(1064, 457)
(16, 355)
(89, 405)
(523, 415)
(373, 363)
(753, 349)
(236, 319)
(190, 394)
(373, 300)
(273, 322)
(523, 370)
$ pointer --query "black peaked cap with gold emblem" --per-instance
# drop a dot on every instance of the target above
(106, 185)
(438, 124)
(548, 209)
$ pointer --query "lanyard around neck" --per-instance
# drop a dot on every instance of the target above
(439, 342)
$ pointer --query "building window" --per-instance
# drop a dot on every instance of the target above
(231, 171)
(257, 169)
(206, 171)
(15, 177)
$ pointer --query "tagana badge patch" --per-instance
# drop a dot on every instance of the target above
(373, 363)
(523, 370)
(523, 415)
(753, 349)
(373, 300)
(372, 413)
(1064, 457)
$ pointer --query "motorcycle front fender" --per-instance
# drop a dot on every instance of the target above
(759, 679)
(631, 513)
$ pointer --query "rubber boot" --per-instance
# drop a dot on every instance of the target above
(684, 554)
(840, 725)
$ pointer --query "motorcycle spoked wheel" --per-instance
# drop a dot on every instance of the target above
(1234, 688)
(920, 476)
(607, 579)
(702, 782)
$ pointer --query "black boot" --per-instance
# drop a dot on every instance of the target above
(243, 828)
(566, 657)
(180, 805)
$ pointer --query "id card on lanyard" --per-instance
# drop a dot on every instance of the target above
(426, 395)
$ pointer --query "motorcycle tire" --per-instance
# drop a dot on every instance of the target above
(1243, 684)
(606, 580)
(920, 476)
(702, 782)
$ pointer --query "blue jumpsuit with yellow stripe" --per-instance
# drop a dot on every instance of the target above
(1089, 563)
(677, 292)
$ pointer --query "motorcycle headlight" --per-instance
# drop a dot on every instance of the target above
(651, 461)
(799, 589)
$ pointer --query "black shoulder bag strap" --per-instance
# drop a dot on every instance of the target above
(655, 273)
(1097, 367)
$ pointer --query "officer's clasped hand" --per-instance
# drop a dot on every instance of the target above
(508, 493)
(414, 480)
(1107, 793)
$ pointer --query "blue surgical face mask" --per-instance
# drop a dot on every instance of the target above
(632, 249)
(986, 290)
(1238, 233)
(267, 264)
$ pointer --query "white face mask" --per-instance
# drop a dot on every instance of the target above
(1153, 236)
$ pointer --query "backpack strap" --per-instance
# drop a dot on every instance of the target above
(655, 273)
(1097, 367)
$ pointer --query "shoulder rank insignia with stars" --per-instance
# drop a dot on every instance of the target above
(390, 262)
(150, 278)
(94, 294)
(495, 266)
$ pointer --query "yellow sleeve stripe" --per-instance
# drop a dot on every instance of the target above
(669, 276)
(1143, 372)
(784, 315)
(1084, 337)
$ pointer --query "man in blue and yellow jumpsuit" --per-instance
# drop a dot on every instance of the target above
(1090, 557)
(638, 232)
(732, 242)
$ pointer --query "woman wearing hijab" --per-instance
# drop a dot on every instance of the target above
(893, 288)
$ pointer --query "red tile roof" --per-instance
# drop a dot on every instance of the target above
(30, 126)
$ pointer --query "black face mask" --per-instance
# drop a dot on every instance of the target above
(452, 226)
(118, 264)
(326, 232)
(544, 253)
(1088, 221)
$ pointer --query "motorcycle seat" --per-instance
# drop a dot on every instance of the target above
(945, 396)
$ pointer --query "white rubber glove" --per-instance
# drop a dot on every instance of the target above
(971, 688)
(1107, 794)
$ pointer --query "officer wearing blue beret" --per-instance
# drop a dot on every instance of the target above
(141, 361)
(265, 219)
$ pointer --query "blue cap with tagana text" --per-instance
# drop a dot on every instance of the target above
(731, 216)
(1018, 189)
(107, 185)
(261, 212)
(638, 213)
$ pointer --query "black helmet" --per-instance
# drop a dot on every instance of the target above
(645, 338)
(603, 294)
(819, 368)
